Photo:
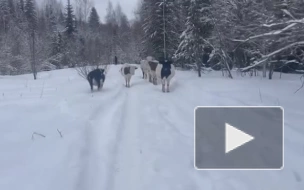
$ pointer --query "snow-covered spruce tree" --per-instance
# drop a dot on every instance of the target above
(124, 39)
(71, 42)
(70, 29)
(54, 33)
(94, 21)
(51, 19)
(94, 41)
(21, 5)
(282, 34)
(4, 49)
(4, 13)
(160, 26)
(31, 16)
(199, 30)
(237, 19)
(137, 36)
(112, 32)
(11, 5)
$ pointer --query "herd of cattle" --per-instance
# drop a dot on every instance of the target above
(152, 70)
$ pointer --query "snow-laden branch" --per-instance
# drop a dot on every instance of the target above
(297, 21)
(272, 33)
(266, 57)
(288, 13)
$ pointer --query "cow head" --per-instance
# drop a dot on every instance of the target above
(102, 70)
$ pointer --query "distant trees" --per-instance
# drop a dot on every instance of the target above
(240, 33)
(160, 24)
(31, 18)
(250, 35)
(199, 28)
(35, 38)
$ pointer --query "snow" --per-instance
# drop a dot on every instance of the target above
(132, 138)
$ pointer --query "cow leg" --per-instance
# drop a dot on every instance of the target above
(155, 80)
(101, 83)
(98, 84)
(168, 86)
(168, 83)
(91, 84)
(126, 81)
(163, 84)
(143, 73)
(130, 81)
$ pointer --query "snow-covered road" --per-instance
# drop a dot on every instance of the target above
(134, 138)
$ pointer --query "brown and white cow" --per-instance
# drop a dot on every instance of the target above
(152, 74)
(127, 71)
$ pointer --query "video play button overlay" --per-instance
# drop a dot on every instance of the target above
(239, 138)
(235, 138)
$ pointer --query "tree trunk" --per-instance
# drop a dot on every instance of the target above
(229, 71)
(264, 70)
(270, 73)
(199, 68)
(225, 59)
(33, 61)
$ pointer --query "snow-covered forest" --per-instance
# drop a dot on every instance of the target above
(61, 132)
(256, 34)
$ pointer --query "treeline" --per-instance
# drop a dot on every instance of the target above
(34, 38)
(241, 33)
(265, 34)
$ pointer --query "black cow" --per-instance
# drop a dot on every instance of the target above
(96, 78)
(166, 69)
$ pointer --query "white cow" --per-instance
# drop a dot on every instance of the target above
(144, 65)
(165, 72)
(127, 71)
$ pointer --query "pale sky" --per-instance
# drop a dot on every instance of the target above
(128, 6)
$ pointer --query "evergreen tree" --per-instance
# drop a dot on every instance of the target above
(57, 43)
(52, 24)
(11, 7)
(198, 29)
(160, 25)
(70, 28)
(21, 5)
(4, 13)
(110, 16)
(94, 21)
(31, 17)
(112, 31)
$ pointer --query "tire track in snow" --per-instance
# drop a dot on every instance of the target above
(91, 155)
(125, 169)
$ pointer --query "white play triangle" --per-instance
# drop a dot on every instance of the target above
(235, 138)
